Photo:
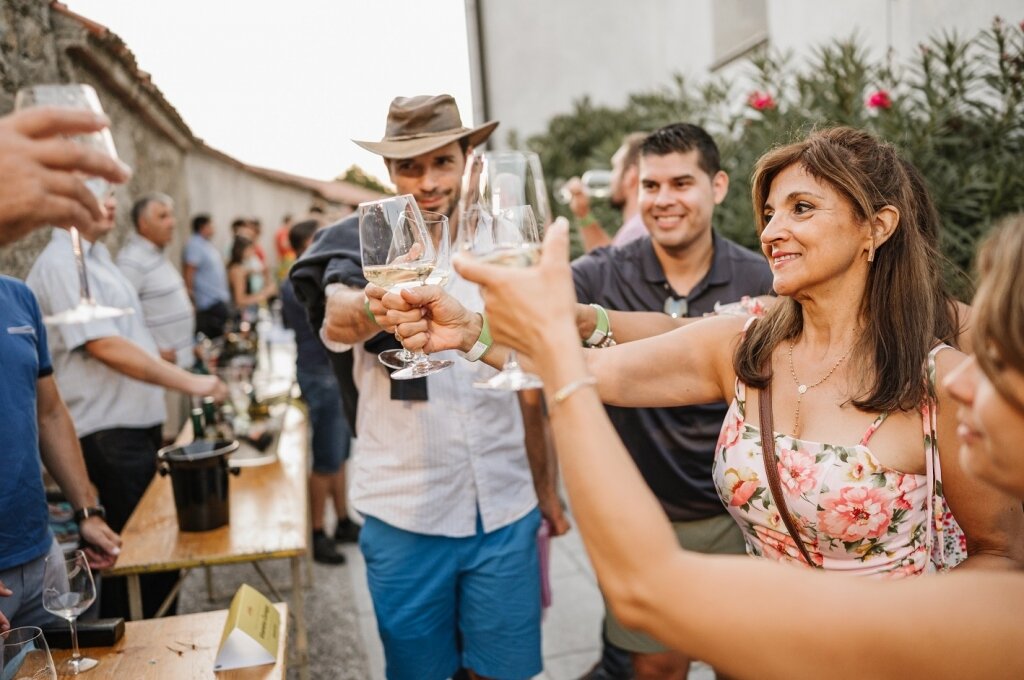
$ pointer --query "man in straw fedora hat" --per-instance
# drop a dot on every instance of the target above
(442, 472)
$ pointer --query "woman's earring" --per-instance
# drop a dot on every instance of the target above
(871, 251)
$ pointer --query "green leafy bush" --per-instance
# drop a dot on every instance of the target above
(956, 110)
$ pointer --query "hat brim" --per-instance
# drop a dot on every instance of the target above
(410, 148)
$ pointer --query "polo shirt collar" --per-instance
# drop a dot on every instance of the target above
(720, 273)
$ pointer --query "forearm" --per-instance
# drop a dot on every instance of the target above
(539, 451)
(62, 456)
(627, 326)
(346, 320)
(594, 236)
(125, 357)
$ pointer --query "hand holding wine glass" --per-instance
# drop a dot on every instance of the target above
(81, 97)
(508, 237)
(68, 590)
(41, 170)
(398, 252)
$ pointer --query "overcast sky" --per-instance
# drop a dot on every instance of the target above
(286, 85)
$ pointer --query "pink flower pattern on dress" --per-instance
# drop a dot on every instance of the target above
(856, 513)
(797, 471)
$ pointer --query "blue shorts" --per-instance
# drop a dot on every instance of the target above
(444, 603)
(331, 436)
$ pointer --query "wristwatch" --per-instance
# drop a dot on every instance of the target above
(92, 511)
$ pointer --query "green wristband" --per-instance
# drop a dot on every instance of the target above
(483, 342)
(601, 328)
(369, 314)
(586, 221)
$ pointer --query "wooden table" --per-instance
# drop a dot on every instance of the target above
(175, 648)
(269, 520)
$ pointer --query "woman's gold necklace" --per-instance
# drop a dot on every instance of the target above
(801, 388)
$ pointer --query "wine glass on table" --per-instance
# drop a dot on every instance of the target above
(68, 590)
(77, 96)
(398, 252)
(508, 237)
(26, 655)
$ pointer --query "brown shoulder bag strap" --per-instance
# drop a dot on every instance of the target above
(771, 468)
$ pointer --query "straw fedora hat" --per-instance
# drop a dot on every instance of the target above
(418, 125)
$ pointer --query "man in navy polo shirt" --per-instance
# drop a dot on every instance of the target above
(682, 268)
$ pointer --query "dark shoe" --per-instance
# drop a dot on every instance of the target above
(325, 551)
(347, 531)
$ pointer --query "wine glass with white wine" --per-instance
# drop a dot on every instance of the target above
(508, 237)
(68, 590)
(398, 252)
(77, 96)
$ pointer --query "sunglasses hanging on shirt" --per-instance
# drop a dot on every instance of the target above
(676, 307)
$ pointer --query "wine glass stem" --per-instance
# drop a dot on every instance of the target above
(83, 279)
(511, 362)
(75, 654)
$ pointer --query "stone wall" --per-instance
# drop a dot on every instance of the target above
(43, 44)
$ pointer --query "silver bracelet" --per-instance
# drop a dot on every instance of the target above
(567, 391)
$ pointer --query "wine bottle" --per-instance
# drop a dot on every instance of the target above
(198, 430)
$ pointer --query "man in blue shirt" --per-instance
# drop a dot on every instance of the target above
(36, 427)
(206, 279)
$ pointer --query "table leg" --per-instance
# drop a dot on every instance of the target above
(298, 606)
(209, 583)
(134, 597)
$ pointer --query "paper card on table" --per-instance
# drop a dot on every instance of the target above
(251, 633)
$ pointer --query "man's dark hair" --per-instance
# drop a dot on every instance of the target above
(238, 223)
(140, 205)
(300, 233)
(683, 138)
(199, 221)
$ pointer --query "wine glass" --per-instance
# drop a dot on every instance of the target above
(26, 655)
(398, 252)
(77, 96)
(68, 590)
(508, 237)
(437, 228)
(504, 179)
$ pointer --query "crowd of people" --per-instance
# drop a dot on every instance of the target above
(727, 423)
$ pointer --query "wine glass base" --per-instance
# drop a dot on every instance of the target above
(76, 666)
(421, 370)
(511, 381)
(395, 358)
(84, 313)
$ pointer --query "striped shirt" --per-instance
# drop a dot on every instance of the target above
(165, 305)
(98, 397)
(429, 466)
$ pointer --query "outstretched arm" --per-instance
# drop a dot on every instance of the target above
(704, 604)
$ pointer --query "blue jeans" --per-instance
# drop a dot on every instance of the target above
(331, 436)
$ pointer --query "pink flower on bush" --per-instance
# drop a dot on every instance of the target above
(740, 486)
(855, 513)
(880, 100)
(797, 471)
(761, 101)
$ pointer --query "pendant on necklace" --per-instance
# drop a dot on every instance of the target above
(801, 389)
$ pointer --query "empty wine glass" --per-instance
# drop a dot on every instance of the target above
(437, 228)
(26, 655)
(508, 237)
(68, 590)
(497, 180)
(398, 252)
(77, 96)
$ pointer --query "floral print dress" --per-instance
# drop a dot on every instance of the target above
(853, 513)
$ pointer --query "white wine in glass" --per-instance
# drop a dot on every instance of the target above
(68, 590)
(509, 238)
(77, 96)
